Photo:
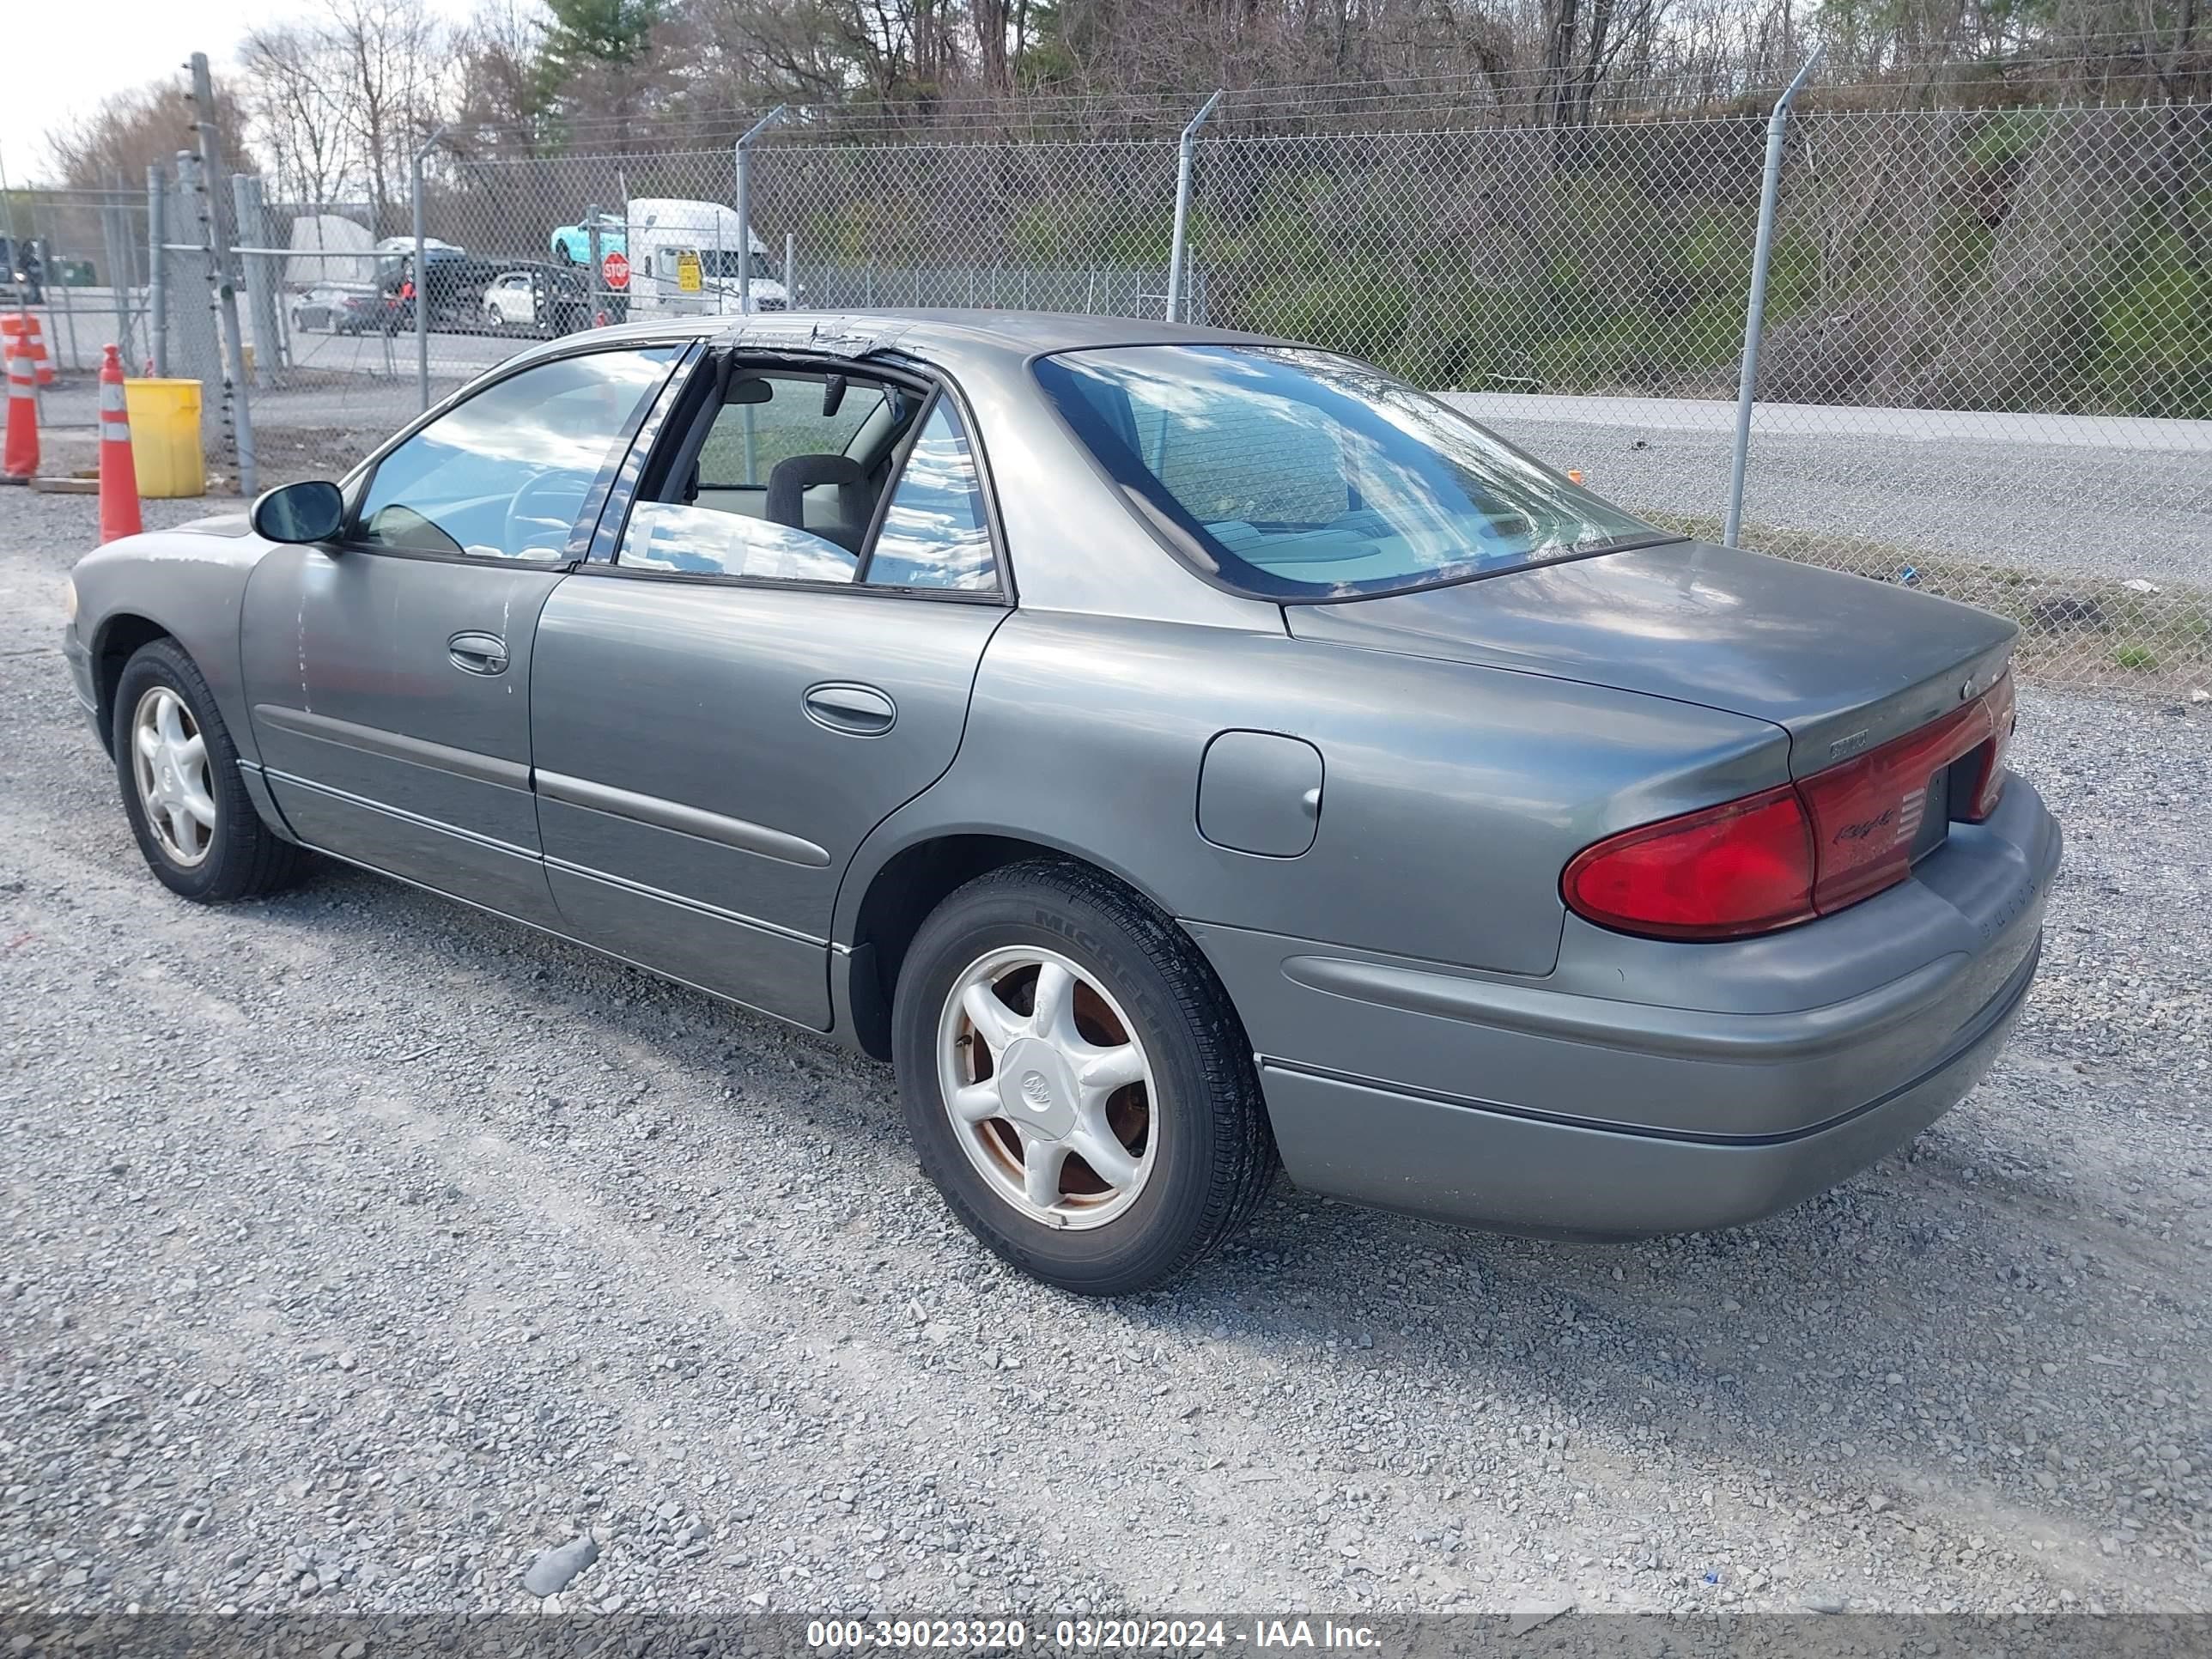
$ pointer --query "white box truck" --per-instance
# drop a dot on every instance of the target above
(686, 259)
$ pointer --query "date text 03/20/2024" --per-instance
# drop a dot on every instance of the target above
(1087, 1635)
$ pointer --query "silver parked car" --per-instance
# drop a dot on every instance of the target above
(1174, 750)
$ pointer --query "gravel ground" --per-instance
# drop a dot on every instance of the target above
(361, 1247)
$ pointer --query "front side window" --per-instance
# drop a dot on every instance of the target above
(1292, 474)
(506, 474)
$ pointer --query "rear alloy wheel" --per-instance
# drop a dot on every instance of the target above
(1049, 1092)
(1075, 1081)
(181, 788)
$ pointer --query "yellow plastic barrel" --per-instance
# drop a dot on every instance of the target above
(165, 436)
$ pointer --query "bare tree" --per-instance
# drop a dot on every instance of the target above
(141, 126)
(391, 52)
(505, 106)
(293, 76)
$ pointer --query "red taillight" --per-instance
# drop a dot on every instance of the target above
(1804, 849)
(1743, 867)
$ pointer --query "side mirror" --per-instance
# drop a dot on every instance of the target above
(311, 512)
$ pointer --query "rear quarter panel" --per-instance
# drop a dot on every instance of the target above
(1452, 794)
(189, 582)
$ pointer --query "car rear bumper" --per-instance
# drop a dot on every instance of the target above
(1518, 1172)
(1645, 1087)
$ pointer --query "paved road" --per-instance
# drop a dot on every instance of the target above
(1936, 426)
(2029, 492)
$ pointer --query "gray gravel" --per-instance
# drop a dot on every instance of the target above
(362, 1248)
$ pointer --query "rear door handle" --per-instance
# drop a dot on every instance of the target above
(477, 653)
(858, 711)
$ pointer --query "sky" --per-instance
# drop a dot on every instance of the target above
(67, 56)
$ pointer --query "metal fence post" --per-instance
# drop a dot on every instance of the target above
(57, 290)
(157, 295)
(420, 275)
(593, 253)
(744, 166)
(254, 235)
(790, 282)
(219, 262)
(1754, 316)
(1189, 149)
(114, 238)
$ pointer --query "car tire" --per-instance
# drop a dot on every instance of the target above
(237, 855)
(1195, 1154)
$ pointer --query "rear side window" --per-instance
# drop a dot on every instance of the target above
(748, 438)
(778, 482)
(935, 533)
(819, 478)
(1290, 474)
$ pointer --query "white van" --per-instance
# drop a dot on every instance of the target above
(686, 258)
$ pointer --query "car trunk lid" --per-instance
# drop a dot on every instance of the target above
(1841, 663)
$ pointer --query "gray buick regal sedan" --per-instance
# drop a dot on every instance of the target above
(1176, 752)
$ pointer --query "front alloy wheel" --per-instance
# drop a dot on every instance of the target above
(169, 760)
(181, 784)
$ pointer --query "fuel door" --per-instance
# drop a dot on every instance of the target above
(1260, 793)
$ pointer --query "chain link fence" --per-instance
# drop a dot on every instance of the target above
(1987, 363)
(1988, 371)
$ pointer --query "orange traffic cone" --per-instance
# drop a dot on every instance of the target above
(119, 470)
(23, 335)
(19, 459)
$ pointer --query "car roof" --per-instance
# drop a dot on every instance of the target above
(922, 333)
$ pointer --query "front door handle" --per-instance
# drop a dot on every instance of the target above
(857, 711)
(477, 653)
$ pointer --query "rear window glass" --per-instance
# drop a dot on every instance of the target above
(1292, 474)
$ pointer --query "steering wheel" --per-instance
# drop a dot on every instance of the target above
(541, 531)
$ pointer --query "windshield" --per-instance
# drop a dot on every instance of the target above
(730, 263)
(1295, 475)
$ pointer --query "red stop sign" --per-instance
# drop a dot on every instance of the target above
(616, 265)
